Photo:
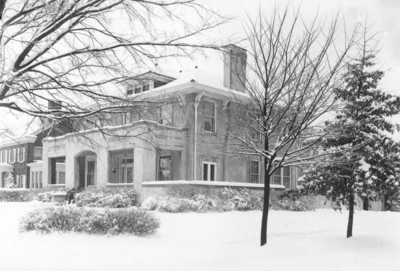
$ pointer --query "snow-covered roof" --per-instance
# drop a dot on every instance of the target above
(194, 80)
(18, 141)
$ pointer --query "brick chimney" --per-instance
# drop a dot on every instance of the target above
(235, 61)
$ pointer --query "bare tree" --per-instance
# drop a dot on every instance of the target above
(74, 52)
(290, 82)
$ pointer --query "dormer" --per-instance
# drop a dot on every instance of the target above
(147, 81)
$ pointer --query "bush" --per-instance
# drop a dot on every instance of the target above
(241, 200)
(199, 203)
(15, 195)
(183, 199)
(107, 198)
(291, 200)
(67, 219)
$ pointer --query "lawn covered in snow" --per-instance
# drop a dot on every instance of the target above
(212, 241)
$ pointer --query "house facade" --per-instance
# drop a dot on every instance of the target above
(15, 157)
(181, 139)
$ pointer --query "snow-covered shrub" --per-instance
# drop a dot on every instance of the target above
(199, 203)
(291, 201)
(107, 198)
(188, 191)
(241, 200)
(15, 195)
(65, 219)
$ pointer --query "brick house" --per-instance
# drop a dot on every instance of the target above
(15, 157)
(172, 143)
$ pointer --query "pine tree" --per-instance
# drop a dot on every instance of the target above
(363, 159)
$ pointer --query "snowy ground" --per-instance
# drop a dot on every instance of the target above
(212, 241)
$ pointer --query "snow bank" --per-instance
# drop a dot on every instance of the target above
(212, 241)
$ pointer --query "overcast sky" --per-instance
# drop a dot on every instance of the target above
(383, 15)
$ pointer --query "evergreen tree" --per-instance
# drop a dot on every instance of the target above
(363, 160)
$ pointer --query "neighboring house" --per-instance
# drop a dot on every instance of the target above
(15, 157)
(171, 142)
(23, 157)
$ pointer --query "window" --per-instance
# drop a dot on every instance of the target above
(13, 155)
(61, 177)
(40, 179)
(209, 171)
(282, 176)
(209, 117)
(138, 90)
(146, 87)
(165, 115)
(164, 167)
(18, 154)
(8, 156)
(37, 153)
(90, 172)
(124, 118)
(129, 91)
(22, 155)
(126, 169)
(255, 171)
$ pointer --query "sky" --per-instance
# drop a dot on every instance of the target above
(380, 15)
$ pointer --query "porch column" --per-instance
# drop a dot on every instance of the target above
(144, 168)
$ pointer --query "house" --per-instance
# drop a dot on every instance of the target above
(173, 142)
(16, 156)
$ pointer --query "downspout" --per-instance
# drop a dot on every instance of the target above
(196, 104)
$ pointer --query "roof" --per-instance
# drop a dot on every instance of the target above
(197, 79)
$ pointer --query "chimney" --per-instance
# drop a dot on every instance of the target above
(235, 61)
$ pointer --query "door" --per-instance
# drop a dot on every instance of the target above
(90, 171)
(126, 169)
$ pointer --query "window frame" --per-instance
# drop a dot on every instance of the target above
(258, 173)
(214, 119)
(209, 163)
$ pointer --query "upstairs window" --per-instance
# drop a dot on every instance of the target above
(282, 176)
(129, 91)
(138, 90)
(165, 116)
(22, 158)
(209, 117)
(37, 153)
(255, 172)
(18, 154)
(146, 87)
(13, 156)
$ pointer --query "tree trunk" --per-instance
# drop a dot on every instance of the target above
(264, 219)
(351, 214)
